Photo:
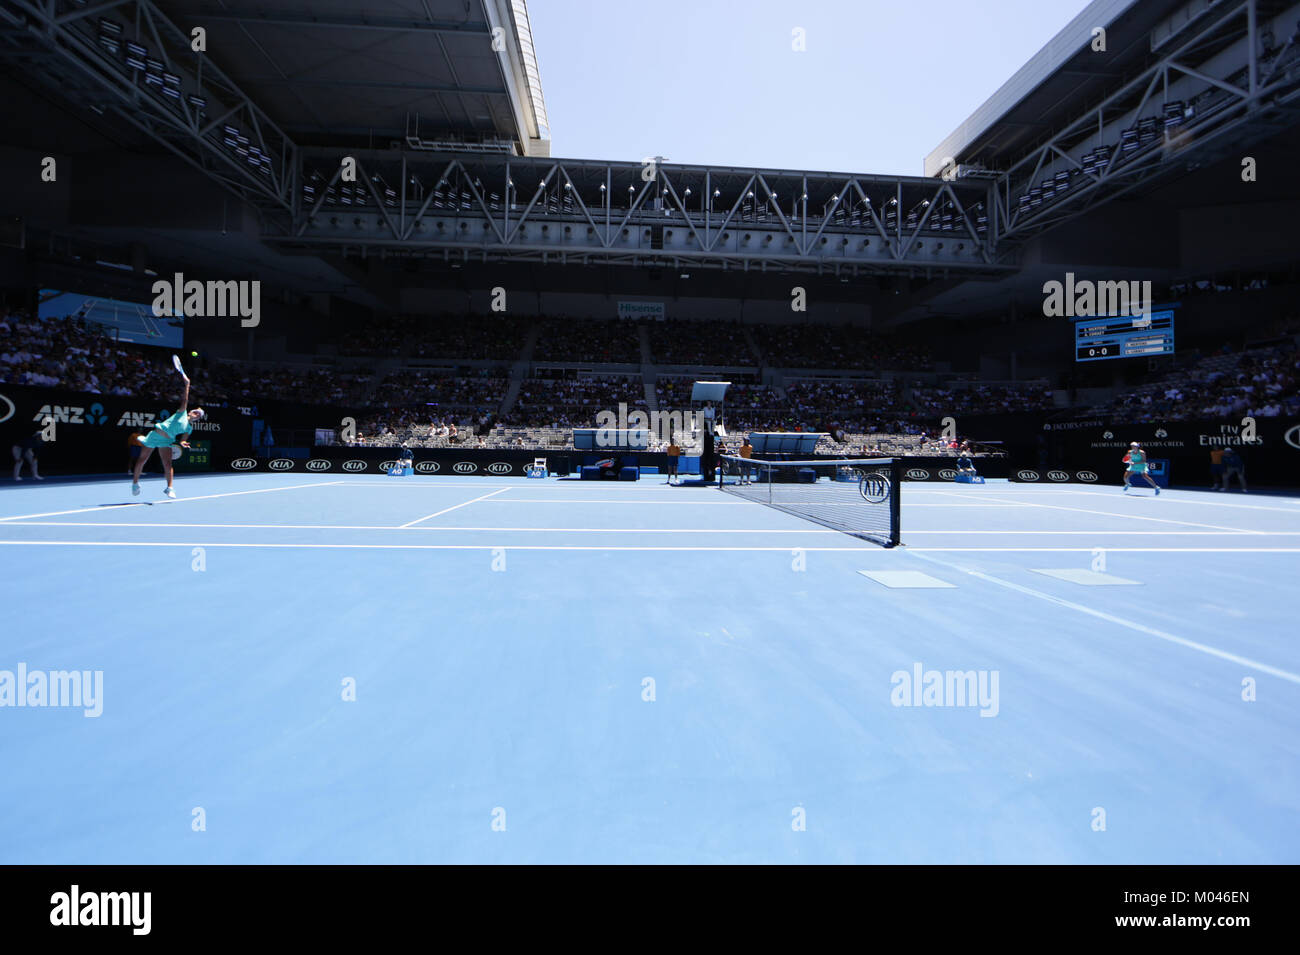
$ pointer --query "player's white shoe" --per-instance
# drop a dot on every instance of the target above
(170, 491)
(135, 489)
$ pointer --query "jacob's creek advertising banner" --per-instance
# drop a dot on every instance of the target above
(89, 433)
(1092, 451)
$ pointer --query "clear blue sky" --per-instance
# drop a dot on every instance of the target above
(882, 82)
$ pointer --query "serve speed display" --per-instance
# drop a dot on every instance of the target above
(1134, 336)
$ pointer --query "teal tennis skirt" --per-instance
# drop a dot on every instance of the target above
(156, 439)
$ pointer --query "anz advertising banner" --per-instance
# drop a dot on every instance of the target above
(91, 432)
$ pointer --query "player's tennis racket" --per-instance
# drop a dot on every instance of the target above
(176, 360)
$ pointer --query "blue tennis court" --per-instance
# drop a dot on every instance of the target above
(348, 669)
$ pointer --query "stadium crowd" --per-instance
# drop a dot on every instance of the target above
(72, 354)
(587, 341)
(69, 353)
(1262, 383)
(700, 343)
(974, 398)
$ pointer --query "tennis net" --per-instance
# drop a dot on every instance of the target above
(857, 496)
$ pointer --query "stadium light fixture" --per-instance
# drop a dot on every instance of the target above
(135, 55)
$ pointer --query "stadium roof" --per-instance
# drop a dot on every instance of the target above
(371, 72)
(1062, 78)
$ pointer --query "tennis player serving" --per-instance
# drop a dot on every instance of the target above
(1136, 460)
(166, 434)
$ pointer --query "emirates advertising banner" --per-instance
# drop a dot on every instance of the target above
(1092, 450)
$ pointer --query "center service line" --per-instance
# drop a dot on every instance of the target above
(455, 506)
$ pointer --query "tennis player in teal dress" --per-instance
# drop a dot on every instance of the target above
(165, 435)
(1136, 461)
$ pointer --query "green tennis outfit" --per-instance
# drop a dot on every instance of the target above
(1137, 462)
(173, 427)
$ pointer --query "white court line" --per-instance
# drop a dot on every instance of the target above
(1109, 550)
(711, 501)
(865, 548)
(1139, 517)
(1121, 621)
(1198, 502)
(449, 527)
(456, 506)
(446, 485)
(631, 530)
(180, 500)
(1143, 533)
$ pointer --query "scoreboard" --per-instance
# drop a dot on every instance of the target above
(1135, 336)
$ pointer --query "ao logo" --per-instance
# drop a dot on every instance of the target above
(1292, 436)
(1058, 476)
(1027, 475)
(318, 464)
(354, 466)
(243, 464)
(6, 409)
(464, 467)
(1108, 436)
(918, 474)
(426, 467)
(947, 474)
(97, 415)
(499, 467)
(1088, 476)
(281, 464)
(1161, 433)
